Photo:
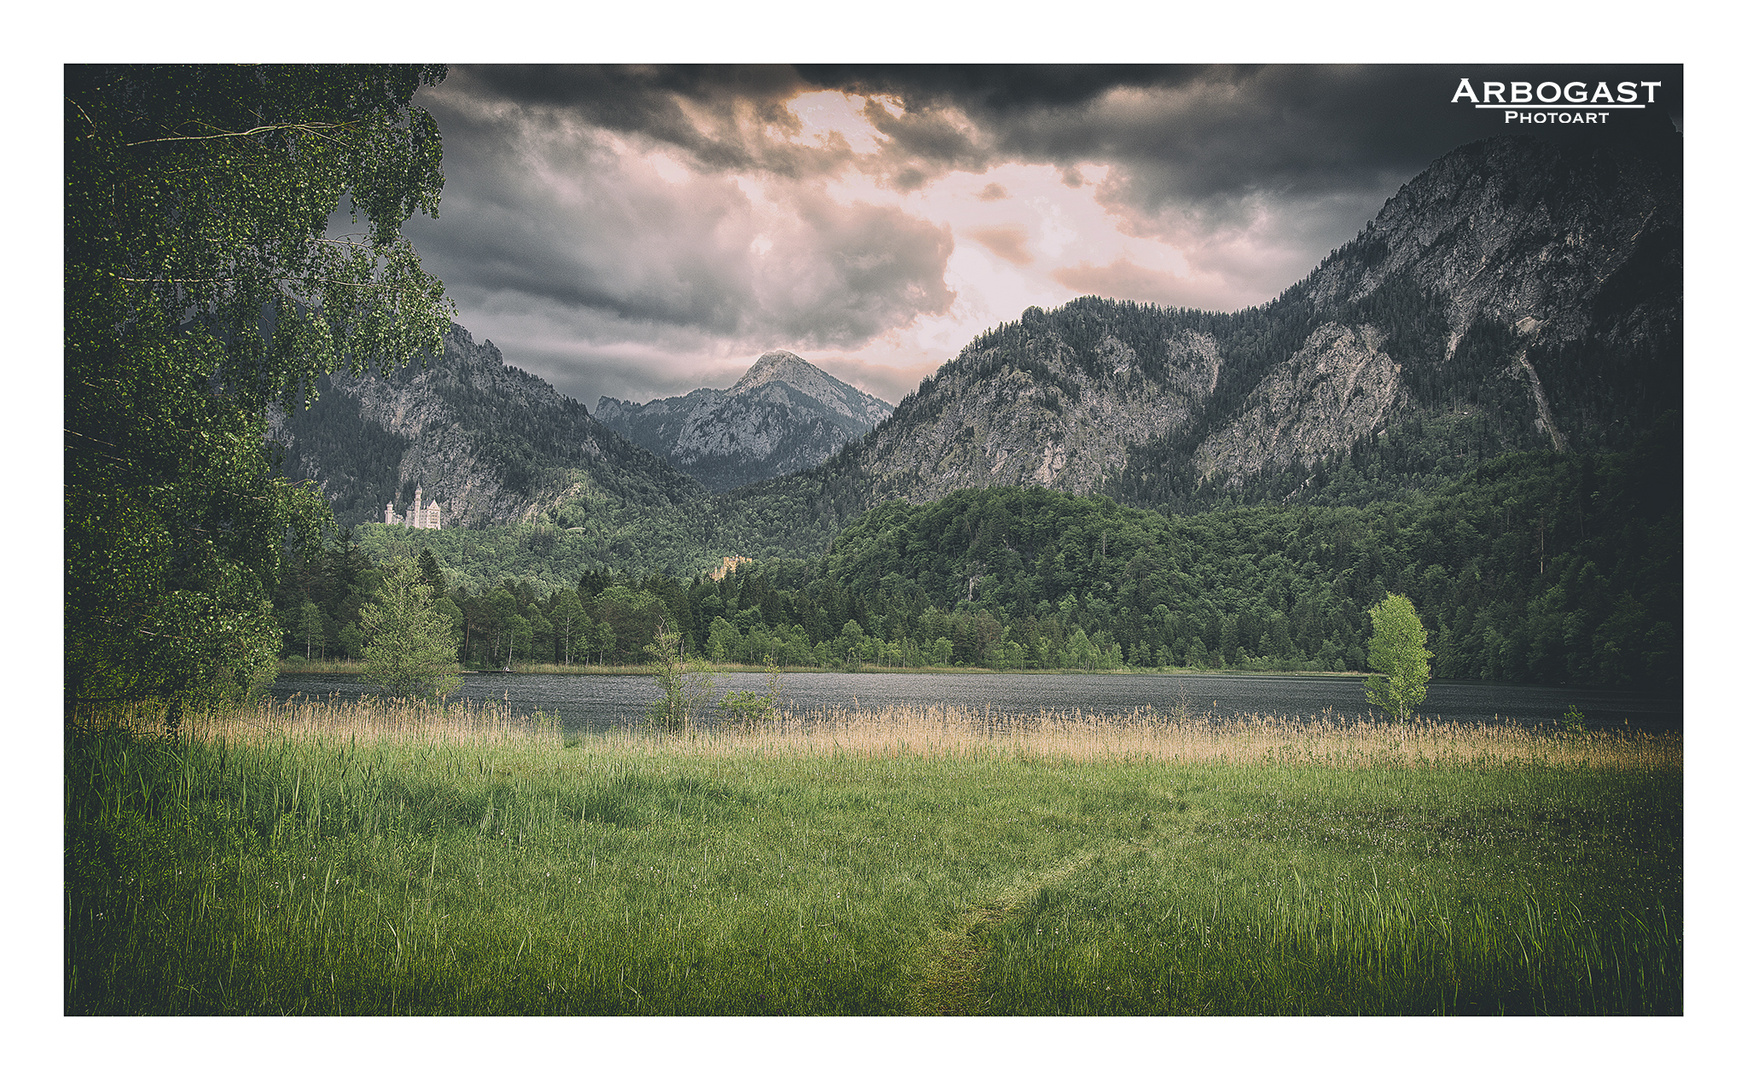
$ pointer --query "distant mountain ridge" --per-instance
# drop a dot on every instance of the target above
(784, 415)
(491, 442)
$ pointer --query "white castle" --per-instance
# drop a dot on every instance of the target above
(419, 517)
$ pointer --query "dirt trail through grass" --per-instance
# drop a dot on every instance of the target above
(956, 954)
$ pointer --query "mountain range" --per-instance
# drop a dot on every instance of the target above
(1520, 293)
(1517, 294)
(491, 443)
(784, 415)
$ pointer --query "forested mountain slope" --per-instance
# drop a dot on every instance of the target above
(1542, 567)
(1538, 567)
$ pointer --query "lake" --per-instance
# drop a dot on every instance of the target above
(599, 702)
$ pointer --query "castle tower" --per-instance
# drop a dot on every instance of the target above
(418, 516)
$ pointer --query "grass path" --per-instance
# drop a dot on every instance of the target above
(957, 954)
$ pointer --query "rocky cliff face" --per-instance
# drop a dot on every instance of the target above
(1518, 293)
(1520, 231)
(1034, 408)
(782, 416)
(1336, 389)
(489, 442)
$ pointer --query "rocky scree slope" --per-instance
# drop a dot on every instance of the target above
(491, 443)
(784, 415)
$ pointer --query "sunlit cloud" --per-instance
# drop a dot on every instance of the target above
(1006, 241)
(1123, 279)
(828, 115)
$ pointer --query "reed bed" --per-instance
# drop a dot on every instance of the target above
(395, 720)
(948, 731)
(1330, 739)
(406, 721)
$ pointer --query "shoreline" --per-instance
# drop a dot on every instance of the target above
(353, 667)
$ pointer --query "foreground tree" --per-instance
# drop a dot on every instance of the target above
(687, 685)
(1398, 656)
(201, 288)
(409, 639)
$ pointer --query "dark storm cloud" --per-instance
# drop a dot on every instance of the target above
(991, 89)
(926, 142)
(515, 222)
(540, 206)
(1212, 145)
(1199, 151)
(1211, 134)
(699, 109)
(1215, 159)
(1208, 132)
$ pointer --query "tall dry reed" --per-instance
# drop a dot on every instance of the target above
(368, 719)
(951, 731)
(945, 731)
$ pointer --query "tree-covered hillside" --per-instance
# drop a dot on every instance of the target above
(1537, 567)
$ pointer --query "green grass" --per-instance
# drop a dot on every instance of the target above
(378, 859)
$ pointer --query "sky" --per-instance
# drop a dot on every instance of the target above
(640, 231)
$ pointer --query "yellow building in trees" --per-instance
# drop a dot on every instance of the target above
(729, 562)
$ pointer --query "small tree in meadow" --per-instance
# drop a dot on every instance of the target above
(686, 684)
(409, 643)
(1398, 656)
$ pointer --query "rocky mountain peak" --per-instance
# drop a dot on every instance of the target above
(372, 439)
(781, 366)
(777, 365)
(782, 416)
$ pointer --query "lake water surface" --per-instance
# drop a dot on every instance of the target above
(599, 702)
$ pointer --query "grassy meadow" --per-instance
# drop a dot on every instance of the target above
(394, 858)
